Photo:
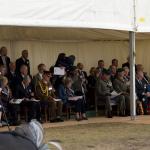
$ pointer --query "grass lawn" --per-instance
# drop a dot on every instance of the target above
(102, 136)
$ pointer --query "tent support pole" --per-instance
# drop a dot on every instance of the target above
(132, 75)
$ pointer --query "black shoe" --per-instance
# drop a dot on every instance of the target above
(109, 115)
(78, 119)
(16, 123)
(53, 121)
(60, 120)
(84, 118)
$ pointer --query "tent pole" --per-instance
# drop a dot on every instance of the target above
(132, 75)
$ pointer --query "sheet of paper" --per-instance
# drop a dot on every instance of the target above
(55, 99)
(114, 94)
(34, 100)
(16, 101)
(59, 71)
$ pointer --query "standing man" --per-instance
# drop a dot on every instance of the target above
(23, 60)
(4, 59)
(101, 66)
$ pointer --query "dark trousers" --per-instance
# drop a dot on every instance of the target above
(54, 108)
(34, 111)
(79, 105)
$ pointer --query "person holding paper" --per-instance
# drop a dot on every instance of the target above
(69, 96)
(104, 89)
(120, 85)
(25, 91)
(45, 93)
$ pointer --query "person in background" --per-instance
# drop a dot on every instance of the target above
(12, 76)
(4, 59)
(113, 71)
(22, 73)
(61, 60)
(2, 70)
(120, 85)
(104, 91)
(139, 67)
(101, 66)
(23, 60)
(38, 77)
(45, 93)
(127, 64)
(83, 76)
(114, 63)
(126, 74)
(91, 88)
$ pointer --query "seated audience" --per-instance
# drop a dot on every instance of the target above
(38, 77)
(45, 93)
(126, 74)
(24, 90)
(23, 60)
(22, 73)
(113, 71)
(114, 63)
(104, 91)
(4, 59)
(67, 94)
(121, 86)
(2, 70)
(12, 77)
(91, 87)
(142, 92)
(140, 67)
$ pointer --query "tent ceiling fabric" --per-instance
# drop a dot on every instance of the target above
(103, 14)
(64, 34)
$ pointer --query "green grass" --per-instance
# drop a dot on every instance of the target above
(102, 136)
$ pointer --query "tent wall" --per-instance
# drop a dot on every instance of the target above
(86, 52)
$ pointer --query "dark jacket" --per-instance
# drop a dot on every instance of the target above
(140, 88)
(20, 62)
(61, 92)
(7, 62)
(22, 92)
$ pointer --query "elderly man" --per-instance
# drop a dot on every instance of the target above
(4, 59)
(120, 85)
(45, 93)
(23, 60)
(104, 91)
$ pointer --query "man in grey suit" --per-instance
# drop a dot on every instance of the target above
(121, 86)
(38, 77)
(104, 91)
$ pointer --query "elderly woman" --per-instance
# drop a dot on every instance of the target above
(66, 93)
(4, 96)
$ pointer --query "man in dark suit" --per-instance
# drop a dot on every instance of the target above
(12, 76)
(4, 59)
(24, 91)
(23, 60)
(141, 89)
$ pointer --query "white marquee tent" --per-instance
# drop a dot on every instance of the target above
(95, 29)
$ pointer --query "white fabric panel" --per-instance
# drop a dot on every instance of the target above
(143, 15)
(106, 14)
(86, 52)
